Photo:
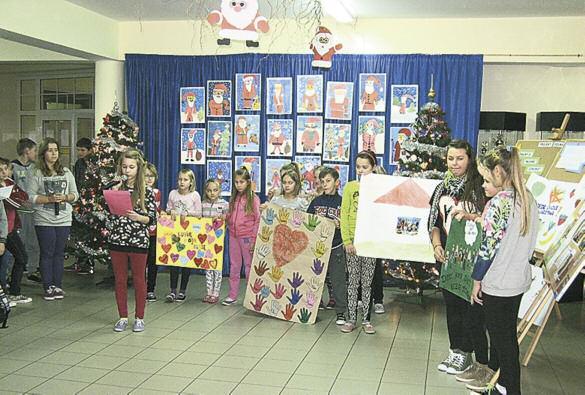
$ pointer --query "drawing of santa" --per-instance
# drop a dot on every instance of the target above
(238, 20)
(190, 145)
(218, 105)
(215, 140)
(278, 98)
(369, 134)
(190, 109)
(370, 97)
(310, 138)
(339, 103)
(276, 139)
(242, 129)
(340, 144)
(404, 102)
(249, 91)
(310, 97)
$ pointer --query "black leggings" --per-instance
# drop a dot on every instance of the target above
(151, 267)
(16, 248)
(185, 273)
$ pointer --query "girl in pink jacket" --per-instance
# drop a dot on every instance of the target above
(243, 222)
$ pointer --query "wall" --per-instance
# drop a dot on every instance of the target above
(532, 88)
(9, 133)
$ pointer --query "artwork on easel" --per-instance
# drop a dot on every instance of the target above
(192, 101)
(193, 146)
(279, 96)
(309, 94)
(252, 163)
(247, 133)
(219, 97)
(272, 171)
(279, 138)
(372, 93)
(398, 135)
(309, 134)
(248, 89)
(371, 133)
(289, 264)
(219, 139)
(307, 165)
(221, 170)
(404, 103)
(336, 142)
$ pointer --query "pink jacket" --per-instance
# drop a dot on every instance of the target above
(241, 224)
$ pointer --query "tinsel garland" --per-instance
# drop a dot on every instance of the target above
(428, 148)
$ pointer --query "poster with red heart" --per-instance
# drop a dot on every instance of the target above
(289, 265)
(196, 243)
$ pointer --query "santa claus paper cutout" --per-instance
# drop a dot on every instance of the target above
(309, 93)
(192, 101)
(248, 92)
(238, 20)
(323, 48)
(219, 95)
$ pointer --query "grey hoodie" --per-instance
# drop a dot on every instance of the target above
(45, 214)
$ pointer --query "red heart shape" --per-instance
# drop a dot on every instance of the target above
(218, 223)
(191, 254)
(205, 264)
(213, 263)
(217, 248)
(164, 259)
(166, 247)
(174, 257)
(185, 224)
(198, 261)
(287, 244)
(202, 237)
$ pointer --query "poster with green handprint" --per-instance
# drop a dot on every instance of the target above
(462, 248)
(290, 262)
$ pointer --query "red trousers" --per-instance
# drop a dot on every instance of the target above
(120, 267)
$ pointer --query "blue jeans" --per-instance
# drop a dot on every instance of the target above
(52, 241)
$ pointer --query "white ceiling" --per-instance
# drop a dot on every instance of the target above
(134, 10)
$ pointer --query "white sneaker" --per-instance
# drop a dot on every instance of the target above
(20, 299)
(461, 362)
(379, 308)
(443, 366)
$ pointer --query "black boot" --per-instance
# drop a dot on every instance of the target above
(250, 43)
(223, 41)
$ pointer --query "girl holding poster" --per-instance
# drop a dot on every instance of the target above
(183, 201)
(243, 222)
(502, 271)
(359, 268)
(213, 206)
(460, 190)
(129, 240)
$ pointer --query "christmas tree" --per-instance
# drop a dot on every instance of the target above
(423, 155)
(88, 232)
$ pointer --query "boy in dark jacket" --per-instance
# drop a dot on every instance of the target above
(329, 205)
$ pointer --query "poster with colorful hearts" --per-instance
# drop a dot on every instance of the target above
(191, 242)
(289, 265)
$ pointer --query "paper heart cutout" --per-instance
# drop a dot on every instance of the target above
(208, 254)
(164, 259)
(218, 233)
(196, 228)
(205, 264)
(180, 246)
(198, 261)
(213, 263)
(162, 240)
(166, 247)
(217, 224)
(210, 238)
(184, 224)
(217, 248)
(562, 219)
(184, 260)
(166, 221)
(202, 237)
(175, 238)
(208, 228)
(287, 244)
(191, 254)
(200, 254)
(174, 257)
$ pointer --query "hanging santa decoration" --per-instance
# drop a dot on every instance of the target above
(239, 20)
(323, 48)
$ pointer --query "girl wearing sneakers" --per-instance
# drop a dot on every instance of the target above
(502, 271)
(460, 190)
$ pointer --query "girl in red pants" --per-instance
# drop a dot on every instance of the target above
(129, 238)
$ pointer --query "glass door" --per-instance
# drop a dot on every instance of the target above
(61, 130)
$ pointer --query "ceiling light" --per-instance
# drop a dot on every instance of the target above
(338, 10)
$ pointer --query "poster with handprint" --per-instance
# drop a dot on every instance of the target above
(289, 265)
(192, 242)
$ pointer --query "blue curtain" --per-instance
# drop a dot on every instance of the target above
(153, 83)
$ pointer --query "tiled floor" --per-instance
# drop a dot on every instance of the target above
(68, 346)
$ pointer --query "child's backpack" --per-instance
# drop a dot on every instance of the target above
(4, 308)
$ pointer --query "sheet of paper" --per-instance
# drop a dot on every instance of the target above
(572, 157)
(5, 192)
(119, 202)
